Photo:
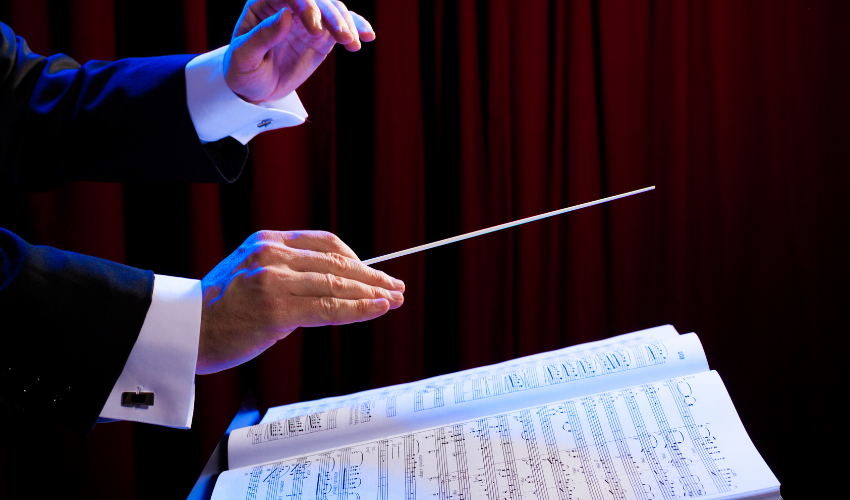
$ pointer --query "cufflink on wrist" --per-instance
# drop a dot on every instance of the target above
(137, 399)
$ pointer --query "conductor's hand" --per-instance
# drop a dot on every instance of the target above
(277, 44)
(278, 281)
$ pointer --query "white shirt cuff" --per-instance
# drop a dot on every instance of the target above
(163, 359)
(217, 112)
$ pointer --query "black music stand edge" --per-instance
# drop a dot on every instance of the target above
(247, 415)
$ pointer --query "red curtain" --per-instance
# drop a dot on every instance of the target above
(466, 114)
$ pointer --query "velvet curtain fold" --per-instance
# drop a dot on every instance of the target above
(465, 114)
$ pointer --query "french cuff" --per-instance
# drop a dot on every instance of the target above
(163, 359)
(217, 112)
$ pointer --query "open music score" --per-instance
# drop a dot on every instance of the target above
(582, 434)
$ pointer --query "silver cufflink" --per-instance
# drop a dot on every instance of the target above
(264, 123)
(137, 399)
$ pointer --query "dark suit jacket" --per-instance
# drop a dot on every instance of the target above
(68, 321)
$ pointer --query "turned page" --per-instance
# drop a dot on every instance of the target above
(534, 380)
(308, 407)
(675, 438)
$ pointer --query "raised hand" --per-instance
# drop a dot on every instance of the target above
(277, 44)
(277, 281)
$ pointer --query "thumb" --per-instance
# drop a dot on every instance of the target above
(254, 45)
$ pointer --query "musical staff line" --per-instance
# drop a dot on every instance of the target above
(509, 462)
(583, 452)
(701, 446)
(554, 456)
(443, 475)
(648, 446)
(622, 447)
(534, 461)
(409, 467)
(692, 487)
(486, 447)
(460, 459)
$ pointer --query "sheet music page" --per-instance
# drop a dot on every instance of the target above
(307, 407)
(677, 438)
(470, 394)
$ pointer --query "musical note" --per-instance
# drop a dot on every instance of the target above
(296, 426)
(509, 461)
(534, 461)
(681, 391)
(486, 450)
(553, 454)
(426, 399)
(583, 451)
(254, 482)
(443, 473)
(298, 473)
(410, 467)
(460, 459)
(324, 479)
(689, 481)
(599, 440)
(272, 480)
(391, 406)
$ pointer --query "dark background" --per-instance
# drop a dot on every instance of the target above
(466, 114)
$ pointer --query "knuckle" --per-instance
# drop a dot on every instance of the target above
(327, 309)
(381, 277)
(334, 282)
(266, 253)
(262, 235)
(331, 237)
(276, 20)
(361, 307)
(338, 262)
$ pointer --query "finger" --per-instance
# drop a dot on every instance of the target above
(339, 265)
(354, 46)
(331, 285)
(321, 311)
(255, 12)
(335, 22)
(310, 15)
(254, 45)
(364, 29)
(318, 241)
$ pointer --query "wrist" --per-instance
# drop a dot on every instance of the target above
(217, 111)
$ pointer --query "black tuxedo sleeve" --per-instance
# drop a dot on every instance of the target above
(67, 321)
(103, 121)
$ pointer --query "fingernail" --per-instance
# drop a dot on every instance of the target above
(396, 295)
(398, 284)
(380, 303)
